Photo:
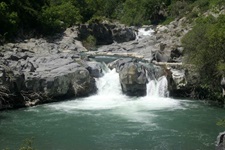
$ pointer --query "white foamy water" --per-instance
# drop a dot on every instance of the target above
(145, 32)
(110, 97)
(158, 88)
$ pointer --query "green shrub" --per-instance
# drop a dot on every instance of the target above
(221, 122)
(8, 21)
(204, 47)
(90, 42)
(57, 17)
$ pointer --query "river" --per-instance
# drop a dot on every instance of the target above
(111, 120)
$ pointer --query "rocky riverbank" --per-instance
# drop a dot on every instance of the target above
(35, 71)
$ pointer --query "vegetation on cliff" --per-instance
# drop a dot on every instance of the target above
(50, 16)
(204, 46)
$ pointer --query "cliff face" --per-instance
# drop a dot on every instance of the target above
(35, 71)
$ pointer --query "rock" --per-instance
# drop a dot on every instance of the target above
(11, 83)
(132, 75)
(220, 145)
(161, 28)
(41, 79)
(119, 63)
(121, 35)
(56, 76)
(133, 80)
(176, 54)
(27, 48)
(95, 69)
(169, 38)
(179, 78)
(160, 56)
(106, 34)
(101, 32)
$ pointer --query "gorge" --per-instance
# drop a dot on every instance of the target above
(124, 107)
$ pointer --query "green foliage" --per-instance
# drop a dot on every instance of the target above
(50, 16)
(204, 47)
(90, 42)
(8, 20)
(221, 122)
(59, 17)
(27, 145)
(137, 12)
(167, 21)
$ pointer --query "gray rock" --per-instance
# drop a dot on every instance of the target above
(11, 83)
(56, 76)
(101, 32)
(121, 35)
(133, 79)
(220, 145)
(132, 75)
(106, 33)
(160, 56)
(95, 69)
(179, 78)
(119, 63)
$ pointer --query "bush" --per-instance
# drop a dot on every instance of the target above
(90, 42)
(204, 47)
(8, 21)
(58, 17)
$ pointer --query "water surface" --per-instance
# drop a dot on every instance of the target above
(110, 120)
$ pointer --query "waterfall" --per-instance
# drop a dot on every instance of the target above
(158, 88)
(109, 84)
(110, 97)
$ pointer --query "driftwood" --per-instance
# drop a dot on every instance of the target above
(115, 54)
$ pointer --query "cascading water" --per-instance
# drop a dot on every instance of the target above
(143, 32)
(110, 96)
(109, 84)
(158, 88)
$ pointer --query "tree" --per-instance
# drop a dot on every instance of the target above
(8, 20)
(60, 16)
(204, 47)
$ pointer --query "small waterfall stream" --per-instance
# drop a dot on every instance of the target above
(158, 88)
(109, 84)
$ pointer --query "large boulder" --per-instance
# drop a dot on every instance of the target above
(35, 71)
(106, 33)
(11, 83)
(66, 42)
(133, 79)
(57, 76)
(121, 35)
(101, 32)
(95, 69)
(41, 79)
(132, 75)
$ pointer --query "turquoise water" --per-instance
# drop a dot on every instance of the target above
(138, 123)
(111, 120)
